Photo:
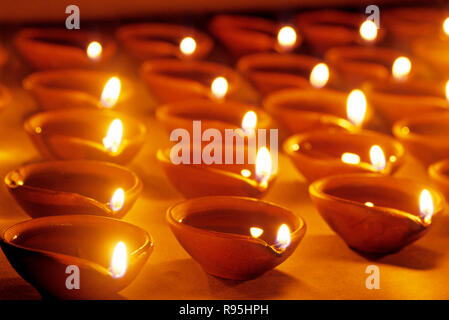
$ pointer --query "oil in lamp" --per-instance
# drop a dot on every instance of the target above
(147, 41)
(376, 214)
(108, 254)
(63, 49)
(235, 238)
(74, 187)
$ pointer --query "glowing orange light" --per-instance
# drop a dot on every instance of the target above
(401, 68)
(356, 107)
(113, 138)
(368, 30)
(263, 165)
(283, 238)
(94, 50)
(426, 206)
(187, 46)
(350, 158)
(117, 200)
(287, 37)
(256, 232)
(319, 75)
(219, 87)
(119, 261)
(111, 92)
(377, 157)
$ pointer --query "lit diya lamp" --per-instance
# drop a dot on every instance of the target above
(318, 154)
(63, 49)
(235, 237)
(244, 35)
(439, 174)
(5, 97)
(78, 88)
(376, 215)
(86, 134)
(172, 80)
(74, 187)
(426, 136)
(146, 41)
(325, 29)
(77, 256)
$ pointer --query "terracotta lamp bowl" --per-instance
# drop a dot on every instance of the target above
(439, 173)
(425, 136)
(5, 97)
(434, 53)
(375, 215)
(301, 110)
(73, 187)
(78, 134)
(172, 80)
(318, 154)
(218, 232)
(61, 48)
(146, 41)
(270, 72)
(40, 250)
(74, 88)
(325, 29)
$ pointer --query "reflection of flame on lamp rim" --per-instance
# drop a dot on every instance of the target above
(245, 173)
(426, 206)
(263, 166)
(377, 157)
(249, 121)
(401, 68)
(286, 37)
(94, 50)
(187, 46)
(350, 158)
(113, 138)
(369, 204)
(119, 261)
(283, 238)
(255, 232)
(368, 30)
(111, 92)
(117, 200)
(319, 75)
(446, 26)
(219, 87)
(356, 107)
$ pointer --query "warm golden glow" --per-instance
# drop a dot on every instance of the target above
(114, 136)
(187, 46)
(446, 26)
(401, 68)
(356, 107)
(447, 90)
(117, 200)
(94, 50)
(350, 158)
(263, 165)
(377, 157)
(245, 173)
(219, 87)
(368, 30)
(111, 92)
(287, 37)
(426, 206)
(369, 204)
(249, 121)
(256, 232)
(319, 75)
(119, 261)
(283, 238)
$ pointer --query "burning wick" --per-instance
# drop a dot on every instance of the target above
(401, 68)
(350, 158)
(287, 37)
(187, 46)
(446, 26)
(219, 87)
(263, 166)
(319, 75)
(119, 261)
(111, 92)
(377, 157)
(256, 232)
(117, 200)
(426, 206)
(283, 238)
(249, 122)
(356, 107)
(114, 137)
(94, 50)
(368, 30)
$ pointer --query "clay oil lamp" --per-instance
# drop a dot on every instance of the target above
(172, 80)
(396, 100)
(325, 29)
(235, 237)
(77, 256)
(74, 187)
(86, 134)
(318, 154)
(439, 174)
(426, 136)
(160, 40)
(244, 35)
(63, 49)
(5, 97)
(376, 215)
(78, 88)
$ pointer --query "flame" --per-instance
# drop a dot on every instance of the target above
(377, 157)
(401, 68)
(356, 107)
(319, 75)
(219, 87)
(119, 261)
(287, 37)
(263, 165)
(117, 200)
(447, 90)
(114, 137)
(350, 158)
(256, 232)
(446, 26)
(426, 206)
(111, 92)
(368, 30)
(187, 46)
(283, 238)
(94, 50)
(249, 121)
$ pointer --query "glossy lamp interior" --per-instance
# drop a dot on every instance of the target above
(41, 249)
(216, 232)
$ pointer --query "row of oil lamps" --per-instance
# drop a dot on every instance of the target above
(223, 226)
